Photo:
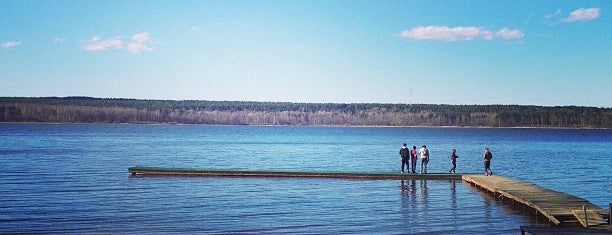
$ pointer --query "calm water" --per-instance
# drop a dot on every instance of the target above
(74, 179)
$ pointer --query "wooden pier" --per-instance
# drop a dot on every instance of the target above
(159, 171)
(561, 209)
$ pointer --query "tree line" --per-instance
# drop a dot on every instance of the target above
(101, 110)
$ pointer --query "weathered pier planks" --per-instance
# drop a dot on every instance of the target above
(589, 218)
(558, 207)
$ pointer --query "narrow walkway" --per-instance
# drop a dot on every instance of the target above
(560, 208)
(162, 171)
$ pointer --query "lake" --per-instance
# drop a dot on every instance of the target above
(74, 179)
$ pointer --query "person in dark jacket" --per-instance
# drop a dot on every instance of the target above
(453, 160)
(405, 154)
(487, 161)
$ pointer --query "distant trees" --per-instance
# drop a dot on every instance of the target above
(94, 110)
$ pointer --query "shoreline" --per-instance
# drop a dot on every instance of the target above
(335, 126)
(167, 112)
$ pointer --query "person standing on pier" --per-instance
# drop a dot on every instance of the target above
(487, 161)
(413, 158)
(424, 158)
(405, 154)
(453, 161)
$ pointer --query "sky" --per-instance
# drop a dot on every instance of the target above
(550, 53)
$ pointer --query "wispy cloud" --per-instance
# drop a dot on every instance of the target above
(194, 29)
(444, 33)
(138, 43)
(582, 14)
(59, 40)
(553, 15)
(10, 44)
(506, 33)
(96, 43)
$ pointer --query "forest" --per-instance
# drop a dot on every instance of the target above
(138, 111)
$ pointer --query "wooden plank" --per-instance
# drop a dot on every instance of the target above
(592, 216)
(554, 205)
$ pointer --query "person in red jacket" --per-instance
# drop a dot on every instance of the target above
(413, 157)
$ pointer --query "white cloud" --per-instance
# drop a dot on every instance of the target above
(583, 14)
(97, 44)
(59, 40)
(10, 44)
(506, 33)
(139, 43)
(444, 33)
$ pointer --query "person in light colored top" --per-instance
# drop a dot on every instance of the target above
(424, 158)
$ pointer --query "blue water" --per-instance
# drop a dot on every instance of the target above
(74, 179)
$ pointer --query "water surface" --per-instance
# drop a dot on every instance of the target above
(73, 178)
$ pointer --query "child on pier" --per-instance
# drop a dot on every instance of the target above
(453, 161)
(487, 161)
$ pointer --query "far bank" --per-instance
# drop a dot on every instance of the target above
(132, 111)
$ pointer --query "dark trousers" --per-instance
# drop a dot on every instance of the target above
(414, 161)
(405, 162)
(454, 166)
(488, 167)
(424, 165)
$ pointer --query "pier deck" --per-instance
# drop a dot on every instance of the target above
(159, 171)
(558, 207)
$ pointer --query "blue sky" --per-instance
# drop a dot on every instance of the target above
(437, 52)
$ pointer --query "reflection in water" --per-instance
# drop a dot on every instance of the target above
(453, 190)
(422, 200)
(409, 194)
(410, 197)
(453, 199)
(413, 192)
(424, 189)
(487, 208)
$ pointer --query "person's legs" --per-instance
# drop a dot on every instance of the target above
(485, 167)
(422, 165)
(414, 166)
